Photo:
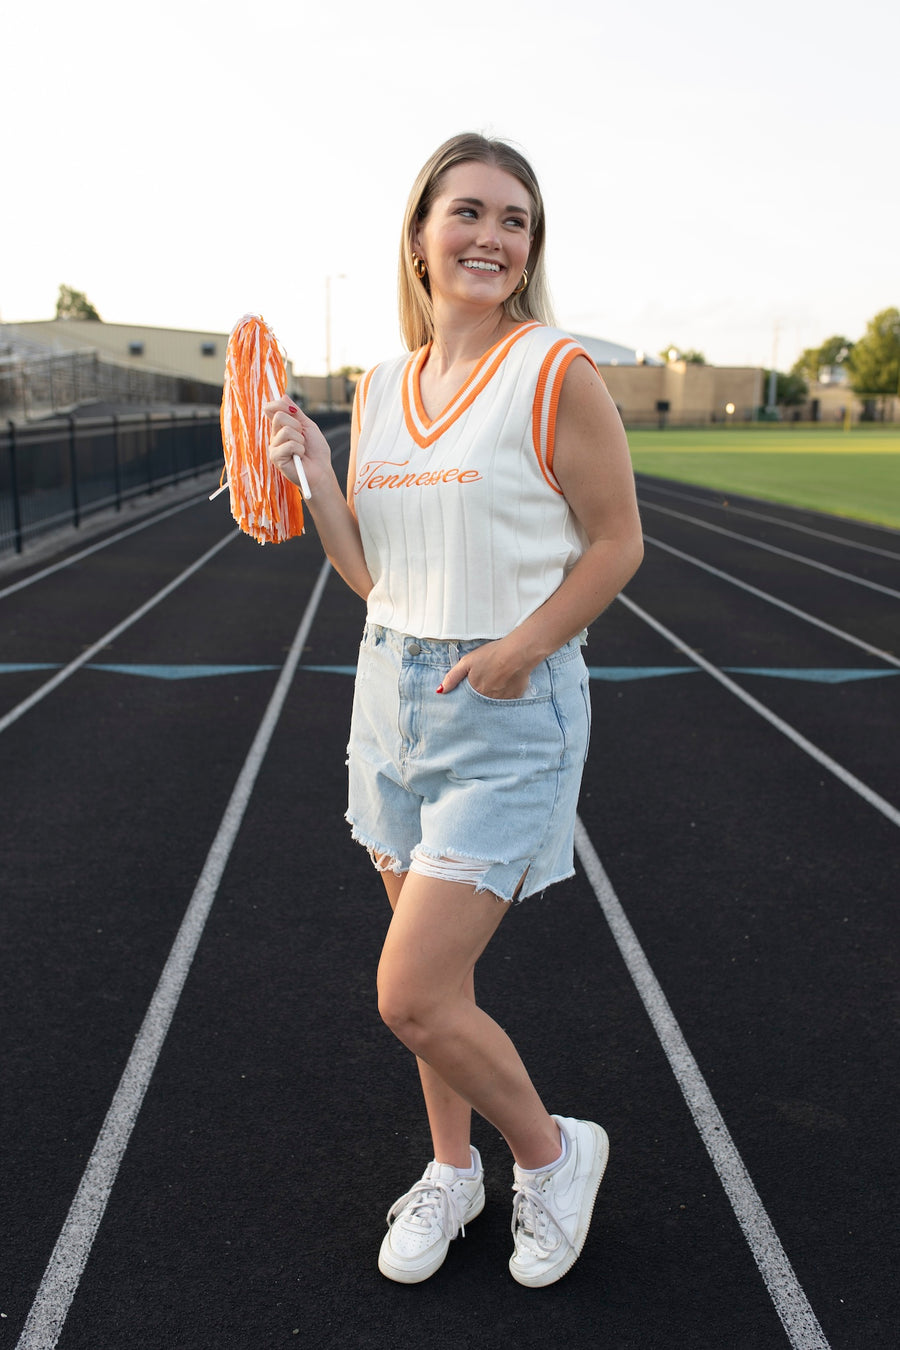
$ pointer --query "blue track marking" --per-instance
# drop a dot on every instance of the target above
(610, 674)
(332, 670)
(180, 672)
(153, 672)
(815, 676)
(616, 673)
(13, 667)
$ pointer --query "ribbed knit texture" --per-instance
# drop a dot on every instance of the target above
(465, 529)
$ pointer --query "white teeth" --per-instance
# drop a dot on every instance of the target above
(479, 266)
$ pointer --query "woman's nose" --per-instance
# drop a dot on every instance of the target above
(489, 234)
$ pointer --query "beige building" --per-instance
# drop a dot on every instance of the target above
(831, 400)
(196, 356)
(646, 392)
(683, 394)
(170, 351)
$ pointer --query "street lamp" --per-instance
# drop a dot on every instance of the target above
(339, 276)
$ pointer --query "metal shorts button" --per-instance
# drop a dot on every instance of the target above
(414, 649)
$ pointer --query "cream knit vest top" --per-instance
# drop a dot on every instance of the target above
(464, 526)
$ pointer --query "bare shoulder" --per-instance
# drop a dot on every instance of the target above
(590, 436)
(585, 397)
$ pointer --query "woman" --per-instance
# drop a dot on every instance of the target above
(490, 516)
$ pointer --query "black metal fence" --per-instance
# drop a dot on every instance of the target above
(57, 472)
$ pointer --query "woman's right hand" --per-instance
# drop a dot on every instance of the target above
(293, 433)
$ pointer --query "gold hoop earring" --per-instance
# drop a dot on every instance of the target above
(420, 267)
(522, 284)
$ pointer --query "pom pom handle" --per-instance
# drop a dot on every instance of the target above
(304, 481)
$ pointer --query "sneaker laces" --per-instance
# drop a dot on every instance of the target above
(428, 1204)
(533, 1222)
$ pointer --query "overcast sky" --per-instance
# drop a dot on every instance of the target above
(717, 176)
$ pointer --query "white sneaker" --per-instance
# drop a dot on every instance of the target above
(552, 1210)
(423, 1222)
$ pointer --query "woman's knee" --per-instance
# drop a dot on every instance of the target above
(405, 1006)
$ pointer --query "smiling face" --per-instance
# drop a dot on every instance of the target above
(477, 235)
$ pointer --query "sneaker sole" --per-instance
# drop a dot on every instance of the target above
(415, 1275)
(566, 1262)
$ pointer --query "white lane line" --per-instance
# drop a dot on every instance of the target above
(785, 524)
(49, 685)
(773, 600)
(66, 1266)
(771, 548)
(95, 548)
(847, 778)
(791, 1304)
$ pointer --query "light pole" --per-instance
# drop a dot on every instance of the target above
(772, 396)
(339, 276)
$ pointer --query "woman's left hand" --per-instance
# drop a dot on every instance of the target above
(490, 671)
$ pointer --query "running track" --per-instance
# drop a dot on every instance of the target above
(203, 1119)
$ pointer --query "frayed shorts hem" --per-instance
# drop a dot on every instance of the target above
(384, 858)
(504, 878)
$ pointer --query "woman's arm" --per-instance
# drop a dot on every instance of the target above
(593, 467)
(293, 433)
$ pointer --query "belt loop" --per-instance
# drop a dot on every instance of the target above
(454, 653)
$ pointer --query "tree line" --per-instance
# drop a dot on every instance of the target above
(871, 363)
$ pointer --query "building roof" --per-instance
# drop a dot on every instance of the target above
(613, 353)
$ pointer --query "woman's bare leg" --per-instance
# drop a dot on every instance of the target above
(426, 995)
(449, 1115)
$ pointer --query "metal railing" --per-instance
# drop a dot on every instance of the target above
(34, 383)
(58, 472)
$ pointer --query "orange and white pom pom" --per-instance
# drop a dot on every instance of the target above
(263, 502)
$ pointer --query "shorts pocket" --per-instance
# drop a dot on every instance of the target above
(535, 694)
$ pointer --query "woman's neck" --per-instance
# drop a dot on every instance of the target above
(459, 339)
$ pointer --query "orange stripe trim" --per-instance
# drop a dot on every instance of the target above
(485, 369)
(543, 451)
(411, 397)
(360, 396)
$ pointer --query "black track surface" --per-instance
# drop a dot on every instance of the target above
(282, 1119)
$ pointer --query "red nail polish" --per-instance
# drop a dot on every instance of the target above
(440, 689)
(292, 410)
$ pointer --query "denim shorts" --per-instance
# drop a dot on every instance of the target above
(463, 776)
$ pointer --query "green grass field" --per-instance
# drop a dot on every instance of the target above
(848, 473)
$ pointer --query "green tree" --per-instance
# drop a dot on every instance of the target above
(834, 351)
(691, 356)
(790, 390)
(74, 305)
(875, 359)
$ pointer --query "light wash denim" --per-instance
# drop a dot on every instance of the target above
(460, 775)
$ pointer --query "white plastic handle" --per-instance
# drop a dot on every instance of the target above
(301, 474)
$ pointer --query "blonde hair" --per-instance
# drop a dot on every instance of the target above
(416, 309)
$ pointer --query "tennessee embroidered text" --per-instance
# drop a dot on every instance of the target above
(369, 477)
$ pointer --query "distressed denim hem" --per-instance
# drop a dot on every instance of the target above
(544, 885)
(390, 862)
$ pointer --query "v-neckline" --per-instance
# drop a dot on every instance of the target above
(426, 430)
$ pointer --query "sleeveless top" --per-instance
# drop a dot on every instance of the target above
(464, 526)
